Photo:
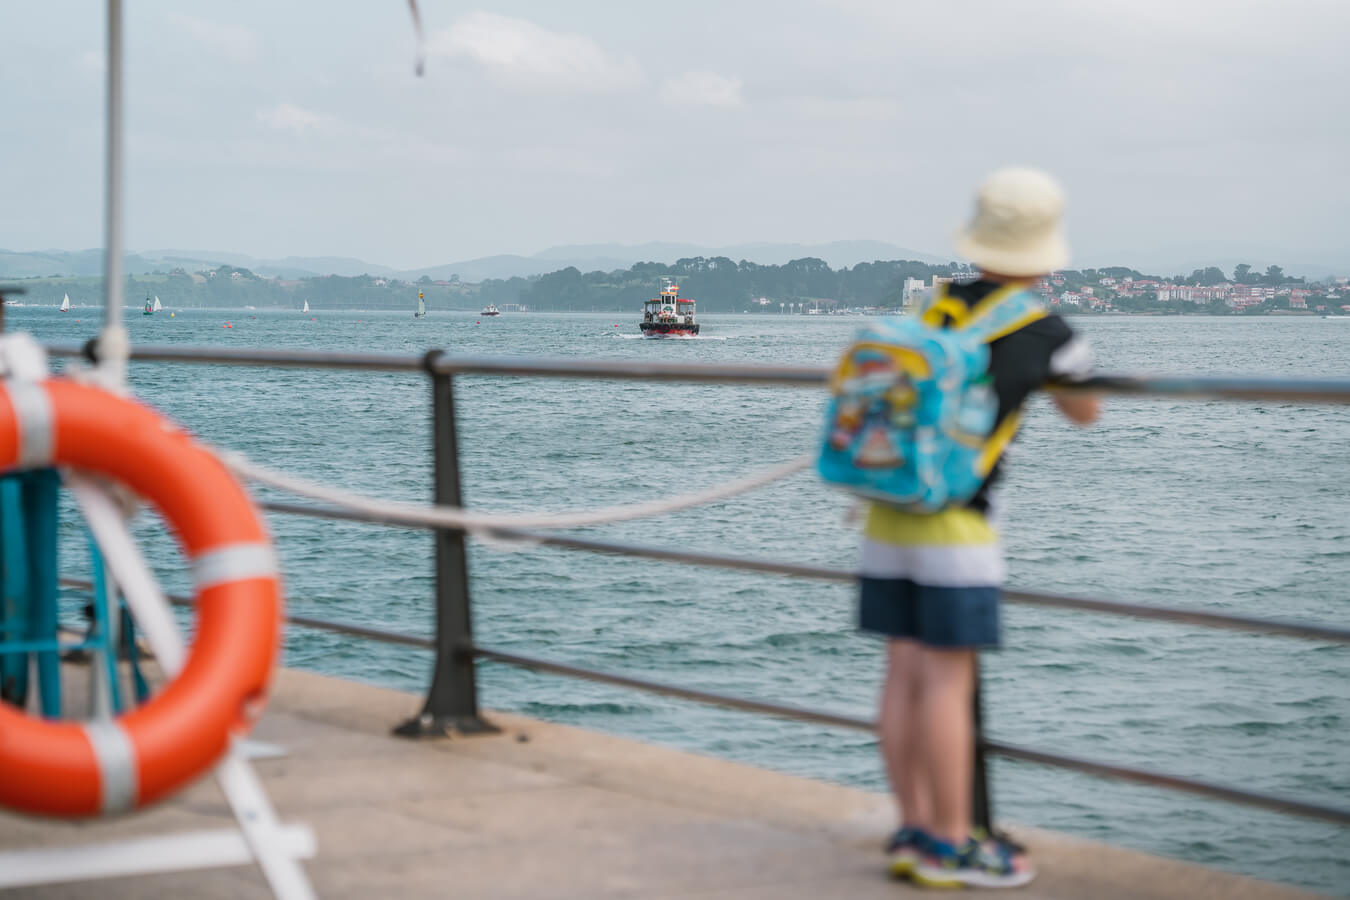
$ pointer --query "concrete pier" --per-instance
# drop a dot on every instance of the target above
(550, 811)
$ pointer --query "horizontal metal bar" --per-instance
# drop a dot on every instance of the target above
(657, 687)
(522, 536)
(856, 723)
(1211, 387)
(1339, 815)
(721, 373)
(365, 631)
(1282, 390)
(309, 359)
(1248, 624)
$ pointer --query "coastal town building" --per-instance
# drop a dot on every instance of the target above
(1194, 293)
(912, 291)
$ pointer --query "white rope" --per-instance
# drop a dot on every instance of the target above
(456, 517)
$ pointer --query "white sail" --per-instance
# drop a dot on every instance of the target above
(65, 304)
(157, 307)
(306, 309)
(421, 307)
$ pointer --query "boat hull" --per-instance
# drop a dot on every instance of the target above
(664, 329)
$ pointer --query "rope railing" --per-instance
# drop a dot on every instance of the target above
(441, 516)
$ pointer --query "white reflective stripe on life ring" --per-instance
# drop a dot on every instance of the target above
(234, 562)
(116, 765)
(37, 433)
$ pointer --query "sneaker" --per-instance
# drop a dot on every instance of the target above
(904, 849)
(988, 864)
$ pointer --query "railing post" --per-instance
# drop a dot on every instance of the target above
(982, 812)
(452, 700)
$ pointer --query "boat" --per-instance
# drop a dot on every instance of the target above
(149, 307)
(491, 310)
(156, 307)
(65, 304)
(668, 315)
(421, 307)
(306, 309)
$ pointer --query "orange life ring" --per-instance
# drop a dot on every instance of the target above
(64, 768)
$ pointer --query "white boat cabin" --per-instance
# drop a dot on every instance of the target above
(670, 307)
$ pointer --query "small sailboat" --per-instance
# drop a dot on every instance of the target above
(65, 304)
(421, 307)
(149, 307)
(306, 309)
(156, 307)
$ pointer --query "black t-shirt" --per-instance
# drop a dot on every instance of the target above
(1021, 362)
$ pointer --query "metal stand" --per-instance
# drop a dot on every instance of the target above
(452, 701)
(260, 837)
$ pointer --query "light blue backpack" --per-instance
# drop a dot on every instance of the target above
(911, 422)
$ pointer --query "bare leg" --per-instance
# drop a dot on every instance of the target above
(948, 738)
(901, 733)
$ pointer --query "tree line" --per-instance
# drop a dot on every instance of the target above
(718, 284)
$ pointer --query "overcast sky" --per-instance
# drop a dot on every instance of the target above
(1180, 127)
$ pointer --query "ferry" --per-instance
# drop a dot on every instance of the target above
(668, 315)
(491, 310)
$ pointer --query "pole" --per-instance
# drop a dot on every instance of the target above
(112, 265)
(452, 700)
(114, 345)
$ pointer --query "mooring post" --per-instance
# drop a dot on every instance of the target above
(452, 700)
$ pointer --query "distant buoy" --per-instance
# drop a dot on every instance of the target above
(170, 315)
(227, 325)
(479, 322)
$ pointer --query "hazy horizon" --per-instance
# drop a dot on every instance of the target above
(1203, 131)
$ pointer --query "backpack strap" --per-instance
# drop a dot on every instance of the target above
(943, 306)
(997, 443)
(1003, 311)
(999, 313)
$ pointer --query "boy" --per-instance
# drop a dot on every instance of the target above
(930, 583)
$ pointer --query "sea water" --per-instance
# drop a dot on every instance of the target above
(1230, 507)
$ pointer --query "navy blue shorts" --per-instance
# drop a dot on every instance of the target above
(949, 617)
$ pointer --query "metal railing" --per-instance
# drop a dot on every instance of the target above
(451, 703)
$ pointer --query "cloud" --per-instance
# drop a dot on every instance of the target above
(233, 42)
(703, 89)
(289, 117)
(531, 56)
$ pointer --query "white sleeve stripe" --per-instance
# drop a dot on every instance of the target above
(1073, 359)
